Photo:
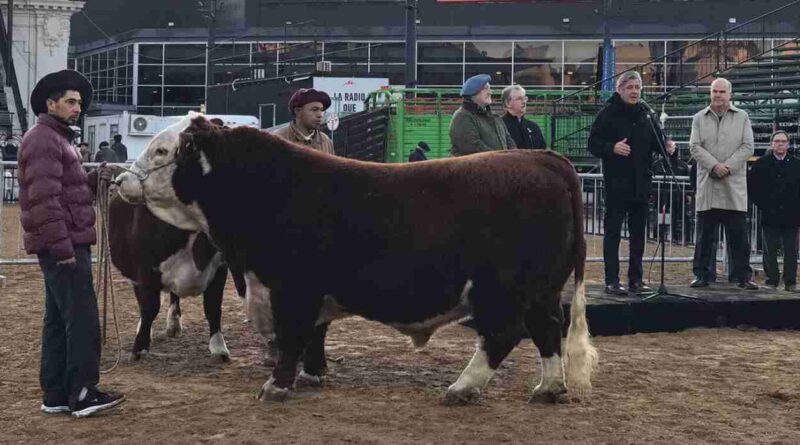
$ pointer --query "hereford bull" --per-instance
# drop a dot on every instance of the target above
(156, 257)
(492, 237)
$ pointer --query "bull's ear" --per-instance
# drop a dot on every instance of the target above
(186, 145)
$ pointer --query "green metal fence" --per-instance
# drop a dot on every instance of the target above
(424, 114)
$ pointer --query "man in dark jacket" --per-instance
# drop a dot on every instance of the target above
(119, 148)
(58, 218)
(419, 153)
(526, 134)
(624, 139)
(774, 186)
(105, 154)
(474, 128)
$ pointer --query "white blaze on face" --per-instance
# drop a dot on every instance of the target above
(156, 189)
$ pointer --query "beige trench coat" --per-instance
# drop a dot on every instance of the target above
(728, 141)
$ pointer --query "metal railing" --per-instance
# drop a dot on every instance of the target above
(682, 69)
(676, 199)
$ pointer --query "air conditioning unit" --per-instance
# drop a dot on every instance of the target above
(324, 66)
(143, 125)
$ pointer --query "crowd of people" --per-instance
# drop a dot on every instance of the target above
(58, 218)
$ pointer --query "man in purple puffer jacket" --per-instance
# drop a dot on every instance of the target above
(56, 198)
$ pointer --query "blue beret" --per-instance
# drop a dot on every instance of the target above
(474, 84)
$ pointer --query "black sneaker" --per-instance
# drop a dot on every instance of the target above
(95, 402)
(55, 404)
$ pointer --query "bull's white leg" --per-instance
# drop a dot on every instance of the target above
(473, 379)
(552, 383)
(259, 310)
(174, 327)
(218, 348)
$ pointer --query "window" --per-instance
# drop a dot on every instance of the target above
(151, 53)
(149, 96)
(431, 74)
(489, 52)
(227, 54)
(581, 52)
(579, 74)
(184, 95)
(540, 74)
(346, 52)
(150, 74)
(450, 52)
(184, 74)
(538, 52)
(185, 54)
(501, 74)
(395, 73)
(638, 52)
(387, 53)
(113, 129)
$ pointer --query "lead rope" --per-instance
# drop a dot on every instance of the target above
(104, 278)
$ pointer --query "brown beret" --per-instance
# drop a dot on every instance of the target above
(306, 96)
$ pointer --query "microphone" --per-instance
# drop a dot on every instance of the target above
(646, 107)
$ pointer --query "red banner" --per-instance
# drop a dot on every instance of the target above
(510, 1)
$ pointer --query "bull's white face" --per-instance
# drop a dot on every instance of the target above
(150, 180)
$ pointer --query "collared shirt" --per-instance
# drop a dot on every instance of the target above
(316, 140)
(780, 158)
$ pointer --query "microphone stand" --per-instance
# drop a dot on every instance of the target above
(662, 288)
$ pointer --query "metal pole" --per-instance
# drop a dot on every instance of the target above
(2, 201)
(10, 37)
(210, 17)
(411, 43)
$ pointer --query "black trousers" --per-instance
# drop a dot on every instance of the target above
(616, 212)
(775, 238)
(71, 331)
(735, 224)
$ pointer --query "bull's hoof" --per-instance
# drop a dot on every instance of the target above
(173, 330)
(306, 379)
(556, 394)
(271, 393)
(218, 348)
(464, 396)
(138, 355)
(220, 358)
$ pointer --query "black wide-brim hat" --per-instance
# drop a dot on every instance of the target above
(306, 96)
(61, 80)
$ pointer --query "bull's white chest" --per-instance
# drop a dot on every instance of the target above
(179, 273)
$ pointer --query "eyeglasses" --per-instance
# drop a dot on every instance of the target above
(523, 99)
(780, 141)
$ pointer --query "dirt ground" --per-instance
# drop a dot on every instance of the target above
(697, 386)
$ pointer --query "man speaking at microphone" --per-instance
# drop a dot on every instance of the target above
(625, 141)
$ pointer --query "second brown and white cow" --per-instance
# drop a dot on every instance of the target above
(155, 257)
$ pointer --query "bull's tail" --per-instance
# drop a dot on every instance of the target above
(580, 358)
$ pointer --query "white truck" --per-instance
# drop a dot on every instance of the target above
(137, 129)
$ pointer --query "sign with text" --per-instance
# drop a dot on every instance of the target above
(349, 93)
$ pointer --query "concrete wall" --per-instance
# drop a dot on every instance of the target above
(41, 37)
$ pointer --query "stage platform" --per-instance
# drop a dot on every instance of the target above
(719, 305)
